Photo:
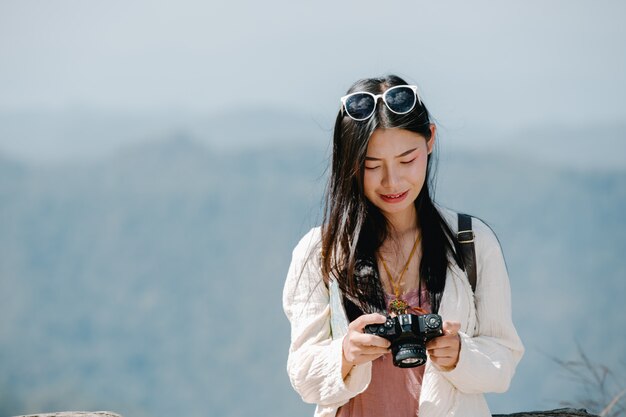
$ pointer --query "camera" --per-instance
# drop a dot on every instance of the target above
(408, 334)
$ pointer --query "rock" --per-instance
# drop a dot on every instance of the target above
(561, 412)
(75, 414)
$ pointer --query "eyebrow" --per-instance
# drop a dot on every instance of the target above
(369, 158)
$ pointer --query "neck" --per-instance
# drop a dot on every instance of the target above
(402, 223)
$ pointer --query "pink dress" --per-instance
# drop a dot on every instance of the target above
(392, 391)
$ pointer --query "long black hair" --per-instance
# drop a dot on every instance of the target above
(353, 228)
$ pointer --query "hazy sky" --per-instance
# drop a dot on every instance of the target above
(504, 64)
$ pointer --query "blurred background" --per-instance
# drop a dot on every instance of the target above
(160, 160)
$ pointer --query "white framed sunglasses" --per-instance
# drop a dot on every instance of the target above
(399, 99)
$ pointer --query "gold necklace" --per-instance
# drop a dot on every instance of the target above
(398, 305)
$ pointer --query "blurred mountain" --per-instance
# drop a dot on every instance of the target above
(53, 135)
(46, 135)
(600, 147)
(149, 282)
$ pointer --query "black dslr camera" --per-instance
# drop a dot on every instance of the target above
(408, 334)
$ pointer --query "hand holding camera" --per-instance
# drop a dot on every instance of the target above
(409, 337)
(359, 347)
(408, 334)
(444, 350)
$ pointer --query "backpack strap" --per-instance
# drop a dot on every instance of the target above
(465, 237)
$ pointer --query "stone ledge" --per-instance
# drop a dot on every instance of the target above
(561, 412)
(75, 414)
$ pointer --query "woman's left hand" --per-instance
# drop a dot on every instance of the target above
(444, 350)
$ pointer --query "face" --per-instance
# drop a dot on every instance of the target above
(395, 168)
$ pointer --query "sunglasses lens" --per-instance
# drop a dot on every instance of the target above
(400, 99)
(360, 106)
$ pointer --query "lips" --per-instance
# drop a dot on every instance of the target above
(394, 198)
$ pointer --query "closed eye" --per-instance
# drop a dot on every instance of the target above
(371, 168)
(408, 162)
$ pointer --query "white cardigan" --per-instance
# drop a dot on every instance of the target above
(490, 346)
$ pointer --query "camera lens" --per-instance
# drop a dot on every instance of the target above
(409, 355)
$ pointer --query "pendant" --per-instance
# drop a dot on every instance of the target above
(398, 306)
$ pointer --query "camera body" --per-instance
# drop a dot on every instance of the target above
(408, 334)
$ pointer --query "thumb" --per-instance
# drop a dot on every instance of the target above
(451, 327)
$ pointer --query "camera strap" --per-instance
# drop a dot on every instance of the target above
(465, 237)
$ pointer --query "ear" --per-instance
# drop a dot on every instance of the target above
(431, 141)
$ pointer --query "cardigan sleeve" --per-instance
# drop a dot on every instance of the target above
(314, 362)
(488, 359)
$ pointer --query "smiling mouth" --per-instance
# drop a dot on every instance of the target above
(394, 197)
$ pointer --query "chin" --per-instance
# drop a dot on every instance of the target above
(395, 209)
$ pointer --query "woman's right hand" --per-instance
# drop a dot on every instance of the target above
(359, 347)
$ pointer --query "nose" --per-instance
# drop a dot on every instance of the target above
(390, 177)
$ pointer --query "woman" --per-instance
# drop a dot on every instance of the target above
(385, 248)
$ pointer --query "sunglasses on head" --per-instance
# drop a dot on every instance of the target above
(400, 99)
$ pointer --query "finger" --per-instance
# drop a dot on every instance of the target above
(355, 357)
(366, 319)
(442, 341)
(441, 353)
(451, 327)
(365, 339)
(445, 362)
(353, 353)
(373, 350)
